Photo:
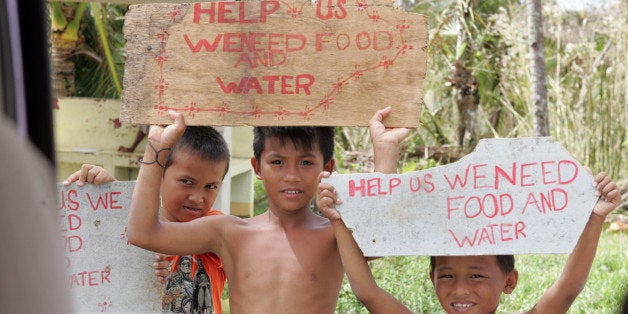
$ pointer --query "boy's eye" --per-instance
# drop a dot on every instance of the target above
(211, 186)
(476, 276)
(186, 181)
(306, 163)
(275, 162)
(445, 276)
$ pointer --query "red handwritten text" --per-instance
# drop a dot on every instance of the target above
(489, 205)
(491, 234)
(69, 200)
(110, 200)
(426, 184)
(72, 243)
(301, 83)
(372, 187)
(338, 11)
(378, 40)
(482, 176)
(233, 12)
(248, 42)
(89, 278)
(551, 201)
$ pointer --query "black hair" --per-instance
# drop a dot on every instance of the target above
(205, 141)
(303, 137)
(506, 263)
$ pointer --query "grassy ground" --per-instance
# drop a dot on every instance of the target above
(407, 279)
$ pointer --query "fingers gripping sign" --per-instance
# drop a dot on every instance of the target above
(165, 137)
(89, 174)
(327, 198)
(384, 135)
(609, 195)
(385, 141)
(162, 139)
(162, 267)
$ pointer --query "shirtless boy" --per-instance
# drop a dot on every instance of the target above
(285, 260)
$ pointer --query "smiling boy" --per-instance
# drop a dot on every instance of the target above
(472, 283)
(285, 260)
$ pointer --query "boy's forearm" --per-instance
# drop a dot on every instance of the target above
(356, 267)
(573, 279)
(385, 158)
(579, 262)
(376, 299)
(144, 214)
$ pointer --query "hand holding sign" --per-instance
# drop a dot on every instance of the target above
(609, 195)
(507, 197)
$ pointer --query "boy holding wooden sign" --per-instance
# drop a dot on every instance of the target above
(192, 174)
(473, 284)
(284, 260)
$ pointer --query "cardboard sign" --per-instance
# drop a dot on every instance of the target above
(274, 62)
(105, 272)
(510, 196)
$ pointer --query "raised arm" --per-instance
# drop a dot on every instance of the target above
(385, 142)
(559, 297)
(374, 298)
(144, 227)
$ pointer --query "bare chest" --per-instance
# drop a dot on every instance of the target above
(289, 267)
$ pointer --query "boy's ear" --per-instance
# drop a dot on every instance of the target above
(255, 165)
(329, 166)
(511, 281)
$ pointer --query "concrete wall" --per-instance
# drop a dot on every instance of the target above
(88, 130)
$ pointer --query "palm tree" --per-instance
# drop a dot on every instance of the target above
(64, 35)
(87, 49)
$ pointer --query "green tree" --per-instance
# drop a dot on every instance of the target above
(87, 49)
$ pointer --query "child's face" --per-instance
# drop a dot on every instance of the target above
(290, 174)
(471, 284)
(190, 186)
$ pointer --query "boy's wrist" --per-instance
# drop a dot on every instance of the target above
(155, 155)
(385, 146)
(596, 218)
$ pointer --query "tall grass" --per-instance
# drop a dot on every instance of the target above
(408, 280)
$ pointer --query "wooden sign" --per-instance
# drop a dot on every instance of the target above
(510, 196)
(274, 62)
(105, 272)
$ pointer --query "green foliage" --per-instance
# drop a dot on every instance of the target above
(95, 60)
(260, 204)
(586, 78)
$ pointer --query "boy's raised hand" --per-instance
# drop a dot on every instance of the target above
(327, 198)
(166, 137)
(89, 174)
(609, 195)
(381, 136)
(385, 142)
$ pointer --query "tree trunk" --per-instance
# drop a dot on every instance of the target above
(62, 64)
(468, 100)
(537, 64)
(65, 22)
